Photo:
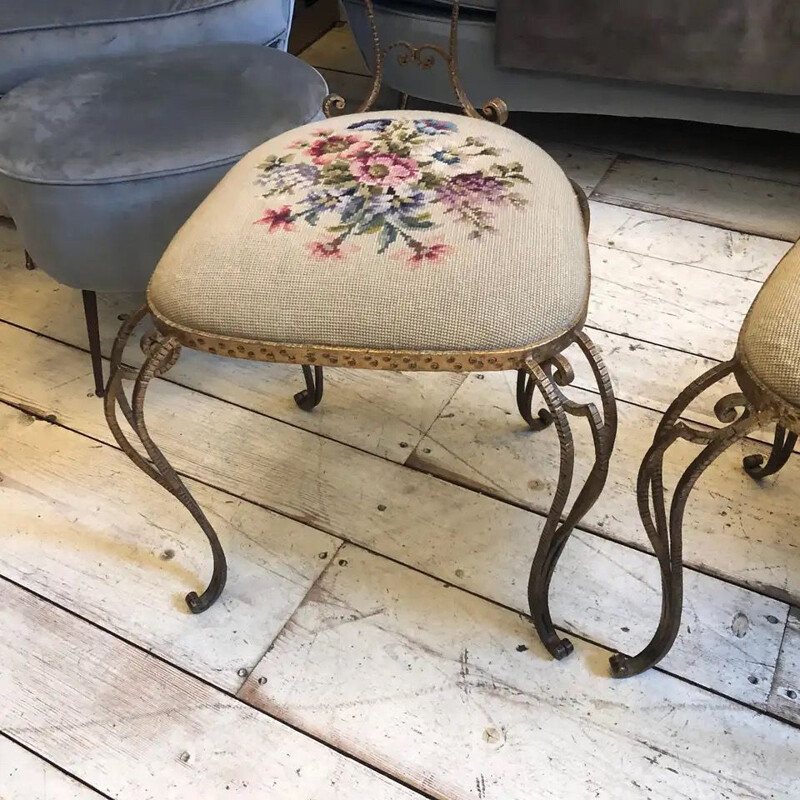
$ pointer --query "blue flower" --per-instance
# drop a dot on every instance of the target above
(370, 125)
(434, 127)
(392, 202)
(447, 157)
(330, 199)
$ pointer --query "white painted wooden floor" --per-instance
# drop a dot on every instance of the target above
(372, 641)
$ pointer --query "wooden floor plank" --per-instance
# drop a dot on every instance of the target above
(87, 529)
(784, 698)
(684, 242)
(667, 303)
(651, 376)
(336, 50)
(771, 155)
(749, 205)
(734, 527)
(382, 412)
(133, 727)
(24, 776)
(466, 538)
(586, 167)
(438, 686)
(646, 374)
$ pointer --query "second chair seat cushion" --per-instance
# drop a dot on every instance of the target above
(383, 231)
(769, 342)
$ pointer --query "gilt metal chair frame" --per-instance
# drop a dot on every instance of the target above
(754, 407)
(541, 366)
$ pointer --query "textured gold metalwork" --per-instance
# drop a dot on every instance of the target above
(162, 352)
(742, 413)
(551, 377)
(424, 57)
(401, 360)
(543, 363)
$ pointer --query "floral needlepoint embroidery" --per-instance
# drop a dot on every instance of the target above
(277, 219)
(388, 178)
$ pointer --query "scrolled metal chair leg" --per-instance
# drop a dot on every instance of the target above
(757, 467)
(665, 529)
(526, 386)
(548, 377)
(311, 396)
(163, 353)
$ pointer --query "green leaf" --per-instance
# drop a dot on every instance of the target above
(430, 180)
(420, 221)
(370, 225)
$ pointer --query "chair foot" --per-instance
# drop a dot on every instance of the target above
(93, 334)
(757, 467)
(548, 377)
(162, 353)
(664, 526)
(311, 396)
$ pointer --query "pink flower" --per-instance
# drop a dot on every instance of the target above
(325, 250)
(333, 249)
(333, 148)
(384, 169)
(432, 253)
(277, 219)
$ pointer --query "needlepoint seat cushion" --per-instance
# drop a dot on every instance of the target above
(769, 342)
(384, 231)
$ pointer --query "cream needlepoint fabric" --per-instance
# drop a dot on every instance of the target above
(400, 230)
(769, 343)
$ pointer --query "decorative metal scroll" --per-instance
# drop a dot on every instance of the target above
(424, 57)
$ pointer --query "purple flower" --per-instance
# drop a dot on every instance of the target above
(288, 177)
(434, 127)
(370, 125)
(470, 188)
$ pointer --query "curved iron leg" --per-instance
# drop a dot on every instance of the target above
(525, 389)
(783, 446)
(162, 356)
(556, 532)
(666, 531)
(311, 396)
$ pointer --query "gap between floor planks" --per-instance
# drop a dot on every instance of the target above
(353, 507)
(26, 776)
(410, 673)
(118, 707)
(364, 747)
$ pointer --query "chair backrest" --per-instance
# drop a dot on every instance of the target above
(422, 56)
